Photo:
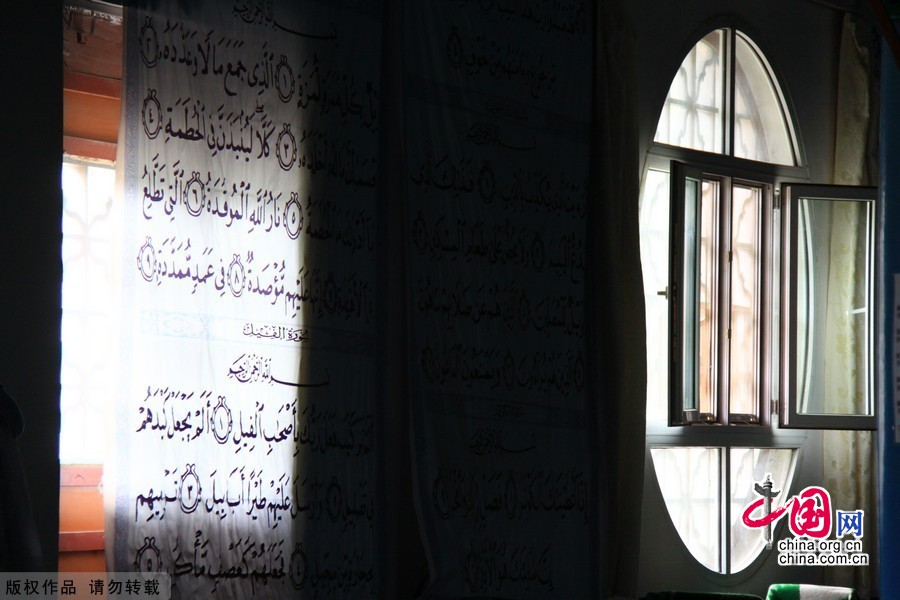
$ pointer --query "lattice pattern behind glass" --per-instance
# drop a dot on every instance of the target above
(745, 300)
(654, 224)
(689, 480)
(692, 114)
(760, 127)
(748, 466)
(90, 255)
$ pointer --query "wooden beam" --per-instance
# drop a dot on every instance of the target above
(93, 85)
(80, 475)
(98, 50)
(84, 148)
(81, 541)
(90, 116)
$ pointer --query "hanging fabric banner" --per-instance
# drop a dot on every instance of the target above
(246, 447)
(497, 138)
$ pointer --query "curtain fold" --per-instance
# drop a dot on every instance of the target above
(614, 296)
(507, 466)
(404, 560)
(849, 456)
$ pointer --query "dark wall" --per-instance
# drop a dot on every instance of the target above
(30, 264)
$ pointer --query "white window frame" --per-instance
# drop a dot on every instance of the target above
(790, 415)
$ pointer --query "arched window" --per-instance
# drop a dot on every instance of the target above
(724, 99)
(725, 115)
(712, 244)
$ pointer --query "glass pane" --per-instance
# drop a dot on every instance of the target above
(745, 302)
(805, 306)
(90, 257)
(690, 313)
(692, 115)
(708, 310)
(654, 224)
(760, 128)
(750, 466)
(689, 479)
(834, 307)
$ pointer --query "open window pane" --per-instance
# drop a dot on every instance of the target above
(744, 303)
(689, 479)
(760, 128)
(828, 307)
(692, 116)
(693, 274)
(654, 224)
(692, 311)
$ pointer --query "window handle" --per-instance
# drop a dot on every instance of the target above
(664, 293)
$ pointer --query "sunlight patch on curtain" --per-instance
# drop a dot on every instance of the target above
(246, 454)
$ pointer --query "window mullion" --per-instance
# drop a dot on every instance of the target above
(725, 509)
(711, 197)
(771, 281)
(729, 104)
(724, 301)
(767, 275)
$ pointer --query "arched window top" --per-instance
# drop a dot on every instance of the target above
(725, 99)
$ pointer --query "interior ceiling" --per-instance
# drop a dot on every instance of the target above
(92, 68)
(92, 83)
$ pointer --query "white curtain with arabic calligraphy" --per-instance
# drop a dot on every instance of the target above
(246, 455)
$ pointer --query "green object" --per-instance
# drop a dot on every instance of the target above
(793, 591)
(699, 596)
